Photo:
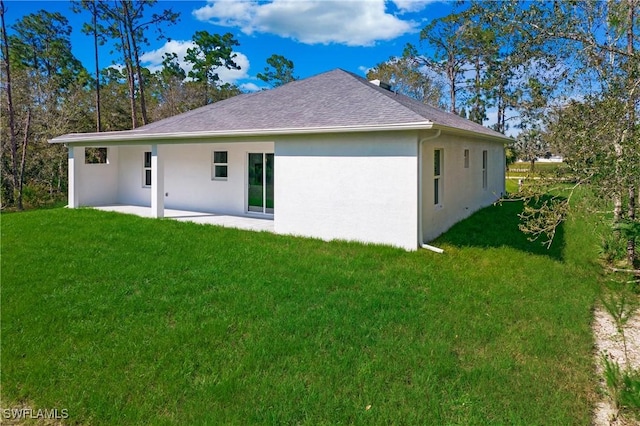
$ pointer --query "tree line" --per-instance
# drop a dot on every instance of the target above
(46, 91)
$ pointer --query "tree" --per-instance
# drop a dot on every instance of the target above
(41, 44)
(446, 37)
(531, 145)
(407, 78)
(480, 49)
(47, 86)
(15, 188)
(127, 23)
(497, 61)
(593, 154)
(172, 95)
(211, 52)
(95, 31)
(596, 45)
(115, 100)
(278, 72)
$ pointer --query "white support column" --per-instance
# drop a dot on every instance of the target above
(157, 182)
(76, 154)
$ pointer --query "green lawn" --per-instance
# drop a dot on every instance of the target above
(523, 169)
(125, 320)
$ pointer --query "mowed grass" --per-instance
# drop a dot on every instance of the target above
(125, 320)
(523, 169)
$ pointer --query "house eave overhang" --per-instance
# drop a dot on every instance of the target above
(496, 137)
(135, 137)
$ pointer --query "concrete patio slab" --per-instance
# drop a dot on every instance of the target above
(240, 222)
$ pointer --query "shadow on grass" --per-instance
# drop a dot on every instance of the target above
(497, 226)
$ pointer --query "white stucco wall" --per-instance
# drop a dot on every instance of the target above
(188, 183)
(96, 184)
(360, 187)
(462, 191)
(188, 172)
(130, 176)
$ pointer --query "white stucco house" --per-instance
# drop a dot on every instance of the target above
(332, 156)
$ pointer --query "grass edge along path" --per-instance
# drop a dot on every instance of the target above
(103, 315)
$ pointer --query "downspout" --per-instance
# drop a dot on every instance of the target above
(420, 173)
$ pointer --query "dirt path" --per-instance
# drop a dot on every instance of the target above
(609, 341)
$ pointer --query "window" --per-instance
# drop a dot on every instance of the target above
(220, 165)
(437, 177)
(147, 169)
(95, 155)
(466, 158)
(484, 169)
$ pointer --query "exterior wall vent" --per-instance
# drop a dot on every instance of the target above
(382, 84)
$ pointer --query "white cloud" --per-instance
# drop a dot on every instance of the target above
(153, 60)
(228, 13)
(250, 87)
(232, 76)
(353, 23)
(364, 70)
(411, 5)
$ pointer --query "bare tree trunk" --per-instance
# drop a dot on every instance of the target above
(617, 196)
(94, 12)
(126, 52)
(631, 213)
(130, 33)
(13, 143)
(143, 103)
(617, 208)
(476, 103)
(631, 241)
(501, 110)
(452, 84)
(23, 160)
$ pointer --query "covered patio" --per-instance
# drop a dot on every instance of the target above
(229, 221)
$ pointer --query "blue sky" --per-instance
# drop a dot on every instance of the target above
(317, 35)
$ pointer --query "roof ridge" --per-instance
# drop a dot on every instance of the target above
(385, 92)
(404, 99)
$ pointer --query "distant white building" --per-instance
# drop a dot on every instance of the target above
(552, 159)
(332, 156)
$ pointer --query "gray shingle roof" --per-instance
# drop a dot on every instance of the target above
(333, 99)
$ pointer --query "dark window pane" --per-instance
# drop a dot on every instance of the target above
(147, 159)
(221, 172)
(220, 156)
(436, 162)
(256, 188)
(269, 183)
(436, 192)
(147, 177)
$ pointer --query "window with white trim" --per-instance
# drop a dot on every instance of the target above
(146, 170)
(220, 169)
(437, 176)
(484, 169)
(466, 158)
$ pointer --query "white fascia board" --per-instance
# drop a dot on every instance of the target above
(131, 136)
(456, 131)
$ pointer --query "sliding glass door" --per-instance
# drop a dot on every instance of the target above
(260, 194)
